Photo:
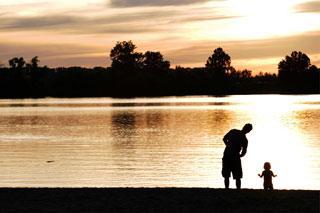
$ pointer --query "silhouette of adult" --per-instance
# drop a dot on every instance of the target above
(236, 147)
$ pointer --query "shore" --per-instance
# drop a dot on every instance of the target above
(156, 200)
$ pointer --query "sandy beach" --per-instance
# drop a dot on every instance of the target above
(156, 200)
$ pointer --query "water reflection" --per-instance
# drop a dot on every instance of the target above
(123, 132)
(156, 142)
(279, 137)
(123, 124)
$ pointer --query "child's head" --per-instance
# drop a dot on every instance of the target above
(267, 166)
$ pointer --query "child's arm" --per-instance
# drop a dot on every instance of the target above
(262, 174)
(273, 175)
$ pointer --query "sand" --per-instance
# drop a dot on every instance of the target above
(157, 200)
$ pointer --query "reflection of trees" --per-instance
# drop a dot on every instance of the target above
(123, 132)
(154, 120)
(220, 121)
(25, 120)
(123, 124)
(24, 124)
(130, 128)
(218, 118)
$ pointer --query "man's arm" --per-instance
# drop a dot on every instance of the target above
(226, 138)
(244, 148)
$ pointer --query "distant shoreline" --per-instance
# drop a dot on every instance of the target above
(157, 200)
(157, 96)
(134, 74)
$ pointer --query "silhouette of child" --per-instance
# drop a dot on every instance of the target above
(267, 175)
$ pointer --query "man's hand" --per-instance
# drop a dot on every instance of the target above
(243, 151)
(242, 154)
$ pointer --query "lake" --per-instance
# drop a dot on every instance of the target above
(157, 142)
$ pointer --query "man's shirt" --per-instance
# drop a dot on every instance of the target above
(235, 142)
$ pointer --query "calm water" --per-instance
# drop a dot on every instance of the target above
(156, 142)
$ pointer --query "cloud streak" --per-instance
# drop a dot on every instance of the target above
(162, 20)
(78, 24)
(309, 7)
(185, 31)
(38, 22)
(152, 3)
(56, 54)
(246, 50)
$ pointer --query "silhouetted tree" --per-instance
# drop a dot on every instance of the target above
(295, 74)
(155, 75)
(153, 61)
(219, 61)
(13, 63)
(32, 66)
(314, 79)
(124, 57)
(17, 63)
(298, 62)
(136, 74)
(34, 62)
(246, 74)
(21, 63)
(218, 65)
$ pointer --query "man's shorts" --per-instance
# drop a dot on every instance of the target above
(231, 165)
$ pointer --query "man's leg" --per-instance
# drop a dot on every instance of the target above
(226, 172)
(238, 172)
(226, 182)
(238, 183)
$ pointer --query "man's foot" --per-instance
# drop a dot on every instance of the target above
(238, 183)
(226, 183)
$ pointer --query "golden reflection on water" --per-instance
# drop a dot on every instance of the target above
(157, 142)
(279, 138)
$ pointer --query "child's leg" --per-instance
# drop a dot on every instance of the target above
(268, 186)
(265, 186)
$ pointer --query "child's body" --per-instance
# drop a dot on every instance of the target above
(267, 175)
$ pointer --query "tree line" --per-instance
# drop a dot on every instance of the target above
(148, 74)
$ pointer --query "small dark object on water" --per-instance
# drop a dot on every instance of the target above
(50, 161)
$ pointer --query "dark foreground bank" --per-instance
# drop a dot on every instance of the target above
(157, 200)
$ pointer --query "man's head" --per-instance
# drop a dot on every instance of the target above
(247, 128)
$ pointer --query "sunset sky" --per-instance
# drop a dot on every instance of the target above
(257, 34)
